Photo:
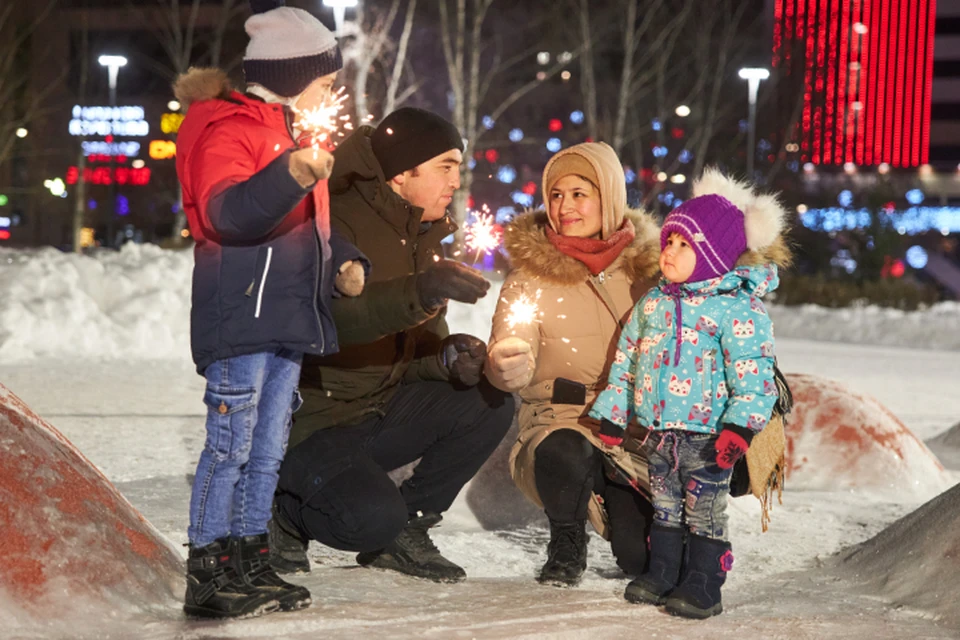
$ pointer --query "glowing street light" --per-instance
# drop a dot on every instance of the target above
(683, 111)
(22, 132)
(340, 11)
(113, 64)
(753, 76)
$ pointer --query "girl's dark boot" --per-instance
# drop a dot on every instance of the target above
(698, 595)
(666, 555)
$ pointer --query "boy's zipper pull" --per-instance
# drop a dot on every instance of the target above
(249, 291)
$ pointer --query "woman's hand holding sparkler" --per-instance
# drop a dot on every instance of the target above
(510, 364)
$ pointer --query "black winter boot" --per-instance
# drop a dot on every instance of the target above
(414, 553)
(288, 549)
(698, 595)
(566, 554)
(216, 589)
(254, 557)
(666, 554)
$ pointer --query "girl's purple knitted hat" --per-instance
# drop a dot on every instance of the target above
(714, 228)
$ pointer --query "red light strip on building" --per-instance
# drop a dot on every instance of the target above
(897, 79)
(777, 33)
(788, 38)
(843, 92)
(830, 105)
(863, 83)
(928, 88)
(807, 81)
(881, 98)
(910, 138)
(819, 83)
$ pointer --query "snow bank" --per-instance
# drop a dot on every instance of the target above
(129, 304)
(915, 561)
(839, 439)
(135, 304)
(947, 447)
(70, 541)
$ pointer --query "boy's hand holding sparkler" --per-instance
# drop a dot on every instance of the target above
(309, 165)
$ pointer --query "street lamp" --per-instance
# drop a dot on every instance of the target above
(113, 64)
(339, 11)
(753, 76)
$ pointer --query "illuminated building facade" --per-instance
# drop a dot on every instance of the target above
(866, 72)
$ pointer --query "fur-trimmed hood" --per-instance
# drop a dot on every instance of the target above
(202, 83)
(525, 240)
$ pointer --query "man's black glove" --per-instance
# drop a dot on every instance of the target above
(450, 280)
(463, 356)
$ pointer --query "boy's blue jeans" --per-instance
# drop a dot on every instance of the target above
(250, 400)
(689, 489)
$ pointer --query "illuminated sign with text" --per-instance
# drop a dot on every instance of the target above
(106, 121)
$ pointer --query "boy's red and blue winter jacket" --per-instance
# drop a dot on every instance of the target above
(265, 260)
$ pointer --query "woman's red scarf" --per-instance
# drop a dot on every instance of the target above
(596, 254)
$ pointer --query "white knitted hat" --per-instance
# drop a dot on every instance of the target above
(288, 48)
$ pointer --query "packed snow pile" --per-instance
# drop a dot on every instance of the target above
(937, 327)
(70, 541)
(947, 447)
(838, 439)
(915, 562)
(135, 304)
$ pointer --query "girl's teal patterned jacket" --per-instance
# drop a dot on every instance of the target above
(696, 356)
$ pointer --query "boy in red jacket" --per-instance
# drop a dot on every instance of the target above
(265, 269)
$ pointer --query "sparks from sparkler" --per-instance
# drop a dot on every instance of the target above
(524, 310)
(482, 235)
(322, 124)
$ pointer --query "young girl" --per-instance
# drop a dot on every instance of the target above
(695, 365)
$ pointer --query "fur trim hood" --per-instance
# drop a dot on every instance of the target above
(764, 218)
(202, 83)
(525, 240)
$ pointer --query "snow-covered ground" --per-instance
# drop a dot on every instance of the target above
(136, 413)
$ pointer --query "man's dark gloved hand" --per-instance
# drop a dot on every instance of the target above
(450, 280)
(463, 355)
(731, 445)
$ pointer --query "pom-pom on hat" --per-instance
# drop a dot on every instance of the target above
(288, 49)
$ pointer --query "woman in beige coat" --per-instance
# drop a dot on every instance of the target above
(584, 262)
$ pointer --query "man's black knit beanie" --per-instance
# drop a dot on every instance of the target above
(409, 137)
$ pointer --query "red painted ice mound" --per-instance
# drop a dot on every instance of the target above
(68, 540)
(839, 439)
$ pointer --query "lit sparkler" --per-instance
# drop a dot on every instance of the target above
(482, 236)
(524, 310)
(322, 124)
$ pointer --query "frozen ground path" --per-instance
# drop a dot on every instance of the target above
(141, 423)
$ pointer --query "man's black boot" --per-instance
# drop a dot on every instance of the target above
(216, 589)
(288, 549)
(414, 553)
(254, 565)
(566, 554)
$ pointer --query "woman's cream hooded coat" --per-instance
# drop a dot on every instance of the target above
(576, 331)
